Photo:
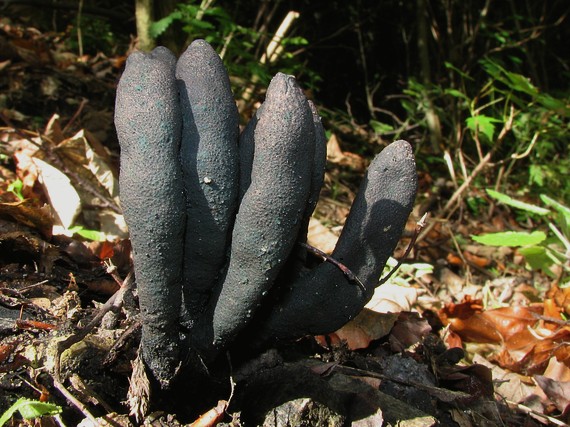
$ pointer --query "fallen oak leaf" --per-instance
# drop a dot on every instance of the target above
(466, 320)
(409, 329)
(557, 391)
(366, 327)
(529, 353)
(472, 323)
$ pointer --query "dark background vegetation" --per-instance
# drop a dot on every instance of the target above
(380, 70)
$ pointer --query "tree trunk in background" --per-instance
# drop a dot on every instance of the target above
(432, 118)
(144, 16)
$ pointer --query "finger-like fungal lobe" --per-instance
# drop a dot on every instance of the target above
(298, 257)
(209, 159)
(246, 152)
(319, 162)
(325, 299)
(148, 123)
(270, 212)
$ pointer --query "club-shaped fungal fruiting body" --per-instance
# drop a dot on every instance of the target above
(217, 219)
(148, 122)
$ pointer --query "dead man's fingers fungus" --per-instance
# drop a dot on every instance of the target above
(148, 123)
(270, 212)
(324, 299)
(209, 159)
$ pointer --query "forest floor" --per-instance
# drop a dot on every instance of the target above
(462, 334)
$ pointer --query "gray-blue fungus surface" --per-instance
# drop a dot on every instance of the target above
(246, 150)
(324, 299)
(148, 123)
(209, 159)
(270, 212)
(215, 223)
(319, 161)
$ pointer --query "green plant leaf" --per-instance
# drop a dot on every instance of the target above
(507, 200)
(456, 94)
(16, 188)
(483, 124)
(295, 41)
(564, 210)
(538, 259)
(160, 26)
(380, 127)
(450, 66)
(29, 409)
(88, 234)
(514, 81)
(511, 238)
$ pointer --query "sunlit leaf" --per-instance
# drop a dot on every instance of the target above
(160, 26)
(483, 124)
(29, 409)
(380, 127)
(564, 210)
(538, 259)
(63, 197)
(94, 235)
(503, 198)
(511, 238)
(16, 188)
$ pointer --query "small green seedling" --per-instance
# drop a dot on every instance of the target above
(94, 235)
(16, 188)
(29, 409)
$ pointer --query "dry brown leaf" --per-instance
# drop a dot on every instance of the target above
(557, 370)
(336, 155)
(466, 320)
(409, 329)
(365, 328)
(392, 298)
(64, 199)
(477, 260)
(530, 351)
(24, 213)
(321, 237)
(509, 321)
(453, 259)
(557, 391)
(509, 385)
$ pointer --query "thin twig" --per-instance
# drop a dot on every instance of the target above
(75, 402)
(419, 226)
(538, 414)
(469, 179)
(123, 338)
(345, 270)
(82, 105)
